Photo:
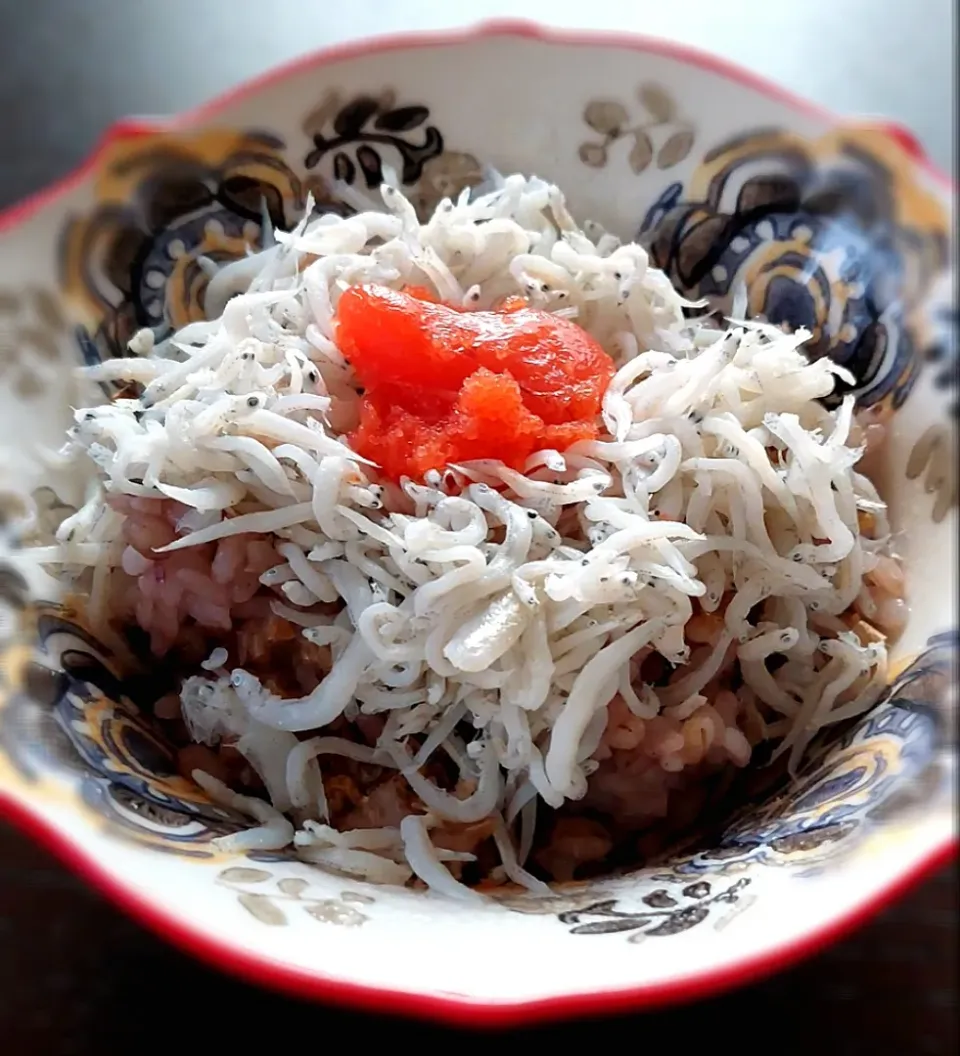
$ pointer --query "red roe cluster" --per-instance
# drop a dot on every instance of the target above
(444, 385)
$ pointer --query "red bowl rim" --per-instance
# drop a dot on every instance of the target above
(455, 1009)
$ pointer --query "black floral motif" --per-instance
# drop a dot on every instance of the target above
(668, 914)
(356, 132)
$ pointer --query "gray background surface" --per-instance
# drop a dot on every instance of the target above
(75, 976)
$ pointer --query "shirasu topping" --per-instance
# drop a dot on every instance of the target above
(493, 613)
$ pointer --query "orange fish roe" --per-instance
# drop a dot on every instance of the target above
(443, 385)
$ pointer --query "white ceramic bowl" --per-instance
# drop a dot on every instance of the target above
(843, 227)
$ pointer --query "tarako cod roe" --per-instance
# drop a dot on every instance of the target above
(444, 385)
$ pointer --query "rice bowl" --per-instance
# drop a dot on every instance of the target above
(100, 765)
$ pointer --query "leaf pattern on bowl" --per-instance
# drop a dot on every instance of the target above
(272, 900)
(662, 137)
(32, 332)
(934, 458)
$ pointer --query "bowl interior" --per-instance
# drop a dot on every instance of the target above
(840, 228)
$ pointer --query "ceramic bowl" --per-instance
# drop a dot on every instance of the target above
(842, 227)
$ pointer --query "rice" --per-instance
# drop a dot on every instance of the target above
(602, 633)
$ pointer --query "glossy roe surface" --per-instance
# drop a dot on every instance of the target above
(444, 385)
